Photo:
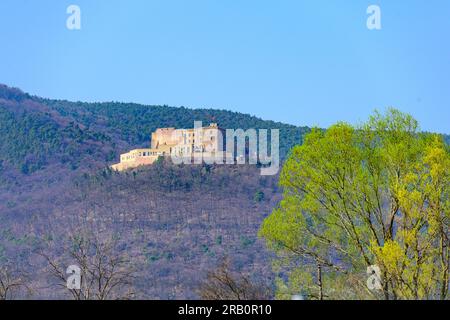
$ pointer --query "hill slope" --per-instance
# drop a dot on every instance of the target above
(175, 222)
(39, 132)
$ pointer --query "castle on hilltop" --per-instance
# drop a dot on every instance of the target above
(202, 142)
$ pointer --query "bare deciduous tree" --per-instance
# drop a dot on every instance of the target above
(11, 284)
(106, 273)
(223, 284)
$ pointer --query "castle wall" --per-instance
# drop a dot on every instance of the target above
(163, 136)
(206, 142)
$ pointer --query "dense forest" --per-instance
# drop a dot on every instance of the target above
(37, 132)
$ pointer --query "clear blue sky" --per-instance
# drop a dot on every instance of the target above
(302, 62)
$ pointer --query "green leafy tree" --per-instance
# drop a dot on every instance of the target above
(353, 197)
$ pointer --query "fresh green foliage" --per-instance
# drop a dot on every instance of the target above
(356, 197)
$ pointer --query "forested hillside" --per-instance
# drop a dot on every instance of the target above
(173, 224)
(37, 132)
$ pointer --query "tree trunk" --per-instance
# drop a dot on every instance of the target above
(319, 280)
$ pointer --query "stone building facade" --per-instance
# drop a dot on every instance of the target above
(202, 142)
